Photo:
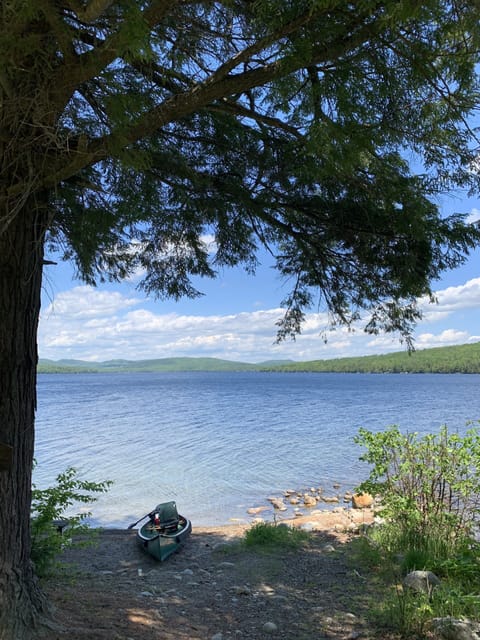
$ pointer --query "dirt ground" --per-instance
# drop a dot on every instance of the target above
(215, 589)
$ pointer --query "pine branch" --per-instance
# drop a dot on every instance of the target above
(200, 95)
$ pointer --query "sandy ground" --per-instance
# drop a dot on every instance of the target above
(216, 589)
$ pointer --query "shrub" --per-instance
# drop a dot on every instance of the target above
(430, 494)
(429, 486)
(50, 504)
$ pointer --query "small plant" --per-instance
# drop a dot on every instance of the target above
(268, 535)
(49, 505)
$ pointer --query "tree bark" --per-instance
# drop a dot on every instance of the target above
(21, 258)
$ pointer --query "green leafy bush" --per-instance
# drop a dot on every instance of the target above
(51, 504)
(429, 489)
(429, 486)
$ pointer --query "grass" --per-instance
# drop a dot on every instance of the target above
(265, 535)
(407, 612)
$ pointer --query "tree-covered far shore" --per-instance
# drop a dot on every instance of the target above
(463, 358)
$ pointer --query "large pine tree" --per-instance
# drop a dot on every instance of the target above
(129, 129)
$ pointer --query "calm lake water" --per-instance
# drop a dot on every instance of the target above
(218, 443)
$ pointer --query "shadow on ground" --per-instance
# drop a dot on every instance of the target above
(214, 589)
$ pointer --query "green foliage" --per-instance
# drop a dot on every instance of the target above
(410, 612)
(51, 504)
(430, 486)
(405, 612)
(429, 489)
(264, 124)
(265, 535)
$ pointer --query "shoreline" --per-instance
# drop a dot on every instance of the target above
(214, 588)
(287, 505)
(339, 520)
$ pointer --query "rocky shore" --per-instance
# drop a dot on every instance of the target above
(216, 588)
(315, 508)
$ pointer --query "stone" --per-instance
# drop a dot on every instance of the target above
(362, 500)
(278, 504)
(421, 581)
(309, 501)
(217, 636)
(278, 597)
(253, 511)
(330, 499)
(270, 627)
(241, 590)
(267, 590)
(453, 629)
(294, 500)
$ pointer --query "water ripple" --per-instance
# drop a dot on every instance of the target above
(218, 442)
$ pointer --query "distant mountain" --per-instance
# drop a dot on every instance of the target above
(457, 359)
(161, 364)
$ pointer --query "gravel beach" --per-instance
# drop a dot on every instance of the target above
(215, 588)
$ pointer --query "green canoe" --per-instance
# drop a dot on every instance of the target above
(165, 531)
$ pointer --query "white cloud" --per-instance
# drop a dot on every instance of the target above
(443, 339)
(92, 324)
(453, 299)
(473, 216)
(86, 302)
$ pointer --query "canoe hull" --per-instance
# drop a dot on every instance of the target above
(162, 544)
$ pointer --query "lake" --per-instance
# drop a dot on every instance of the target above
(219, 443)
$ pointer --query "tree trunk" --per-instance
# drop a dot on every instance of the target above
(21, 259)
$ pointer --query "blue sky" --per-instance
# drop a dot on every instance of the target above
(236, 317)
